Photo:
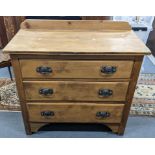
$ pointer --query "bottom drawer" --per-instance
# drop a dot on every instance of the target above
(77, 112)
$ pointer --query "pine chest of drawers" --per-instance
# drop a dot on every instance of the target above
(76, 72)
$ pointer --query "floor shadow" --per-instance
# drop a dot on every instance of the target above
(74, 127)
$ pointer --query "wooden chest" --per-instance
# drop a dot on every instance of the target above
(76, 71)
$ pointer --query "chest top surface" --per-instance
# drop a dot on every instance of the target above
(76, 37)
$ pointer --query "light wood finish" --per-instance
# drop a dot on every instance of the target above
(113, 127)
(75, 69)
(75, 112)
(103, 40)
(75, 25)
(76, 50)
(108, 43)
(75, 91)
(58, 57)
(21, 94)
(37, 126)
(131, 90)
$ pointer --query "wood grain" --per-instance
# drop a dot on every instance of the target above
(75, 69)
(130, 94)
(21, 94)
(76, 51)
(74, 112)
(87, 25)
(76, 41)
(75, 91)
(36, 126)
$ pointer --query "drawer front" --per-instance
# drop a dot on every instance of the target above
(75, 91)
(75, 69)
(79, 112)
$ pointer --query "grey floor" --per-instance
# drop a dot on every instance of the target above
(147, 66)
(11, 126)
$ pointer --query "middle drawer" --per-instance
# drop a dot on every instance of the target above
(75, 91)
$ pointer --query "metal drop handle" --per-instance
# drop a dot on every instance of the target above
(47, 113)
(105, 92)
(46, 91)
(102, 114)
(108, 69)
(44, 70)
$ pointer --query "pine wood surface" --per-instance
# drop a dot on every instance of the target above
(75, 69)
(76, 50)
(104, 37)
(75, 91)
(74, 112)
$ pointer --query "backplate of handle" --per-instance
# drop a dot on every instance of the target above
(47, 113)
(105, 92)
(108, 69)
(46, 91)
(44, 70)
(102, 114)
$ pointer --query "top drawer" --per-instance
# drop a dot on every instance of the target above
(45, 68)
